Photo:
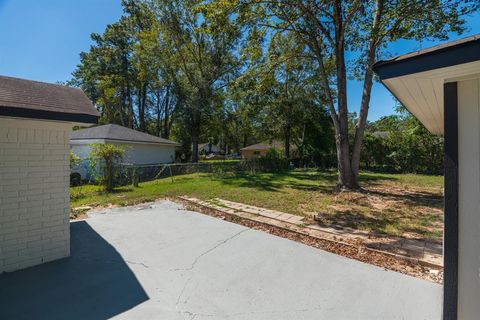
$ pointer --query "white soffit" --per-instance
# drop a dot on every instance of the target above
(422, 93)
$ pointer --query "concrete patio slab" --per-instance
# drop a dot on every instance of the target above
(163, 262)
(405, 248)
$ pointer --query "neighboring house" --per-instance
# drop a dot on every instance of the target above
(381, 134)
(35, 123)
(208, 148)
(440, 86)
(140, 148)
(261, 149)
(255, 150)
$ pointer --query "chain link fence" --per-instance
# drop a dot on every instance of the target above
(126, 173)
(133, 174)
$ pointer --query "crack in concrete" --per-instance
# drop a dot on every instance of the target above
(265, 312)
(193, 315)
(183, 290)
(137, 263)
(198, 258)
(318, 308)
(210, 250)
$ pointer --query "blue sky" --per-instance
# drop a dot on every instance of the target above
(41, 40)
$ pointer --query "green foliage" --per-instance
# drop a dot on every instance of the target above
(103, 158)
(401, 143)
(344, 38)
(74, 159)
(273, 161)
(235, 72)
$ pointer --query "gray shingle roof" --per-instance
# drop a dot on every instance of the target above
(33, 99)
(117, 133)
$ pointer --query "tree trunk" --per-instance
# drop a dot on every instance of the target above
(367, 89)
(346, 178)
(166, 126)
(195, 124)
(130, 108)
(142, 106)
(159, 114)
(194, 149)
(287, 141)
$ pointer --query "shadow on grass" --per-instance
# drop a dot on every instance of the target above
(349, 219)
(373, 178)
(327, 189)
(415, 198)
(321, 181)
(93, 190)
(273, 182)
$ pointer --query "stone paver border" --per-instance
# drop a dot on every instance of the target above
(418, 251)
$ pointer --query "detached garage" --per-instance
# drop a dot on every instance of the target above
(140, 148)
(35, 123)
(441, 87)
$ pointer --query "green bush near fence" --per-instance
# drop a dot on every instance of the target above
(103, 161)
(273, 161)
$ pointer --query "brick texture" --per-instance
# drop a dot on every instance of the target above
(34, 196)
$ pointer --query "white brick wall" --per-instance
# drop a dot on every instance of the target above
(34, 195)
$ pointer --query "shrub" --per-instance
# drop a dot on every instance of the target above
(273, 161)
(74, 159)
(106, 156)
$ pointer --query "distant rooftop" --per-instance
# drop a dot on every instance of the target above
(117, 133)
(40, 100)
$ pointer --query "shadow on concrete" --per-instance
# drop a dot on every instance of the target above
(94, 283)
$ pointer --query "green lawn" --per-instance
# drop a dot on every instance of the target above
(395, 204)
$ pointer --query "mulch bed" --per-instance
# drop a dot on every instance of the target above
(358, 253)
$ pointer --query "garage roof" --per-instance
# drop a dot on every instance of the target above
(118, 133)
(258, 146)
(39, 100)
(416, 79)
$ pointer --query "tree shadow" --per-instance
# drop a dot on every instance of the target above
(327, 189)
(417, 198)
(348, 221)
(276, 181)
(262, 182)
(94, 283)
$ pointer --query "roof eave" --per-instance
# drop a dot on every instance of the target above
(77, 118)
(176, 144)
(464, 52)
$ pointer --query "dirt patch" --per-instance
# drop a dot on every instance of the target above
(388, 210)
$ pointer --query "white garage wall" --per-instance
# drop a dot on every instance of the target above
(34, 195)
(82, 150)
(469, 199)
(139, 153)
(135, 153)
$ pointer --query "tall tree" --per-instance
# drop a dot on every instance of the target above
(331, 28)
(203, 50)
(290, 86)
(105, 73)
